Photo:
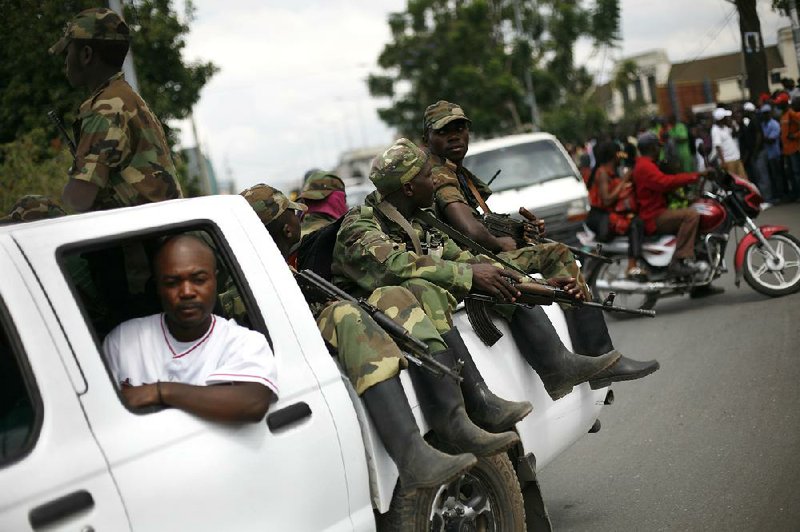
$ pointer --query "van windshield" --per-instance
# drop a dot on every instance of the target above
(522, 165)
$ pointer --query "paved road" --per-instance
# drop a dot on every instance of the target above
(709, 442)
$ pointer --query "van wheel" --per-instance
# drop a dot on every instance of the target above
(486, 498)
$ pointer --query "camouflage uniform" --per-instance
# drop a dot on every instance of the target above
(121, 146)
(550, 259)
(32, 208)
(319, 185)
(373, 251)
(366, 352)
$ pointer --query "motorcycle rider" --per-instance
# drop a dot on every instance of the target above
(651, 185)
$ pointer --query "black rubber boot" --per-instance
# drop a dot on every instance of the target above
(443, 405)
(486, 410)
(558, 368)
(419, 464)
(589, 334)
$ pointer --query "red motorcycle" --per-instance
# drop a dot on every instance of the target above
(767, 256)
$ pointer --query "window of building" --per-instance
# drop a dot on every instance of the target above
(651, 85)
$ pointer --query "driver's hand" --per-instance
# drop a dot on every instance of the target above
(491, 280)
(140, 396)
(569, 285)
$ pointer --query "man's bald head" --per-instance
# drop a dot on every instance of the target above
(186, 244)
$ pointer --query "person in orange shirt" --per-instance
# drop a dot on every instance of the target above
(790, 140)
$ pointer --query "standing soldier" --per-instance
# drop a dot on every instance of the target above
(324, 195)
(122, 157)
(459, 193)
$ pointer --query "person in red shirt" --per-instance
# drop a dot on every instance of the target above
(651, 185)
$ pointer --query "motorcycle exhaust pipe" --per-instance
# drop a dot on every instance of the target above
(627, 286)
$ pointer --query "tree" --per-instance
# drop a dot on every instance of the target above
(32, 81)
(470, 52)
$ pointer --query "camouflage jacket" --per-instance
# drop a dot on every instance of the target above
(451, 187)
(314, 221)
(122, 149)
(372, 251)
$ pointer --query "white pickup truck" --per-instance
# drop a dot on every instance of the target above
(73, 457)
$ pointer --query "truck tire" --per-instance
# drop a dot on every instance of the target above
(488, 497)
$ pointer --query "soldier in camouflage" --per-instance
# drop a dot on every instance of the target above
(372, 361)
(381, 243)
(323, 193)
(122, 156)
(459, 194)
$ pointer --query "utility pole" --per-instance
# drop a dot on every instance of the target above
(127, 66)
(795, 30)
(527, 71)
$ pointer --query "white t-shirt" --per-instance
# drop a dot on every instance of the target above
(142, 351)
(723, 138)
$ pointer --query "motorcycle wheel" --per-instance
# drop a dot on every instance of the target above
(608, 272)
(774, 276)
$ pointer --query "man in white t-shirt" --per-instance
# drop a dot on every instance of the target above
(181, 357)
(724, 146)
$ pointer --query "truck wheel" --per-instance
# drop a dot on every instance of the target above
(486, 498)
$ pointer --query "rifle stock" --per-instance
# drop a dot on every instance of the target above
(316, 288)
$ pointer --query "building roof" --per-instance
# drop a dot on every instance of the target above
(719, 67)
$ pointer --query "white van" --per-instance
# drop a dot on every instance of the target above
(537, 173)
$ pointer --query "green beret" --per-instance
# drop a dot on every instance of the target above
(268, 202)
(441, 113)
(97, 23)
(31, 208)
(396, 166)
(320, 184)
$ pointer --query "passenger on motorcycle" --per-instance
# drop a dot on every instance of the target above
(614, 206)
(651, 185)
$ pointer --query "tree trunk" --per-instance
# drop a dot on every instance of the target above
(755, 57)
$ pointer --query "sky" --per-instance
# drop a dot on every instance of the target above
(291, 92)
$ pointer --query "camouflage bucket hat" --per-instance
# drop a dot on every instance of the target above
(320, 184)
(441, 113)
(268, 202)
(32, 208)
(397, 165)
(97, 23)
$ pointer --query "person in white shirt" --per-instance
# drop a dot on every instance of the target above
(186, 357)
(723, 145)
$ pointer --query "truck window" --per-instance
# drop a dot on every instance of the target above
(113, 281)
(20, 409)
(522, 165)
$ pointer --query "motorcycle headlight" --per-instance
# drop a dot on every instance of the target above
(578, 210)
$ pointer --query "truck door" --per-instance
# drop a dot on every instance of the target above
(177, 471)
(52, 473)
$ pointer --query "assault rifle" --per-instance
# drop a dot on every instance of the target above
(52, 115)
(537, 293)
(532, 293)
(317, 288)
(520, 231)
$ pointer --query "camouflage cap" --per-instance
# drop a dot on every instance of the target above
(397, 165)
(97, 23)
(268, 202)
(320, 184)
(439, 114)
(32, 208)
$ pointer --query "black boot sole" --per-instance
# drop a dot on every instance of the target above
(605, 382)
(446, 479)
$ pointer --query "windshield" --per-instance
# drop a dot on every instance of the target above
(522, 165)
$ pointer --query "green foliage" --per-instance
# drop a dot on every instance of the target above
(32, 165)
(470, 52)
(575, 120)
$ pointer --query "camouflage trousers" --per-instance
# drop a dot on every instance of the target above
(551, 259)
(366, 352)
